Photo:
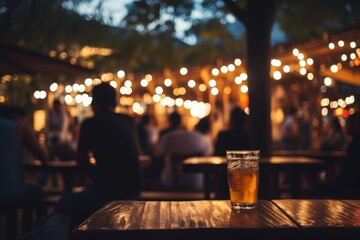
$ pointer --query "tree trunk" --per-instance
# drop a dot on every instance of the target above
(258, 25)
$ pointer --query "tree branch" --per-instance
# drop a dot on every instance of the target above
(239, 13)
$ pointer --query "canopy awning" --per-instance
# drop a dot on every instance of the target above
(19, 60)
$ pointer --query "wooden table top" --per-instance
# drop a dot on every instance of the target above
(182, 220)
(53, 166)
(335, 219)
(69, 166)
(214, 219)
(312, 153)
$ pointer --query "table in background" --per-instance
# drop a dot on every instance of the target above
(214, 219)
(270, 167)
(333, 160)
(67, 169)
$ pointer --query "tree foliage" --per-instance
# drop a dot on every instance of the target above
(147, 39)
(301, 20)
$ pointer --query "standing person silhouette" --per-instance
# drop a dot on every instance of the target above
(58, 126)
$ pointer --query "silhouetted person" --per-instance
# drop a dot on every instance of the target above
(236, 137)
(180, 141)
(157, 164)
(305, 130)
(349, 177)
(58, 125)
(346, 184)
(336, 138)
(58, 139)
(290, 131)
(174, 122)
(147, 134)
(204, 128)
(110, 138)
(15, 139)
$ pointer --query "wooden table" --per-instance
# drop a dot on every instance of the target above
(324, 219)
(67, 169)
(214, 219)
(270, 167)
(333, 159)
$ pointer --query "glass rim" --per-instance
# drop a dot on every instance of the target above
(242, 151)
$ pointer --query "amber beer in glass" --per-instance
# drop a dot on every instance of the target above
(243, 178)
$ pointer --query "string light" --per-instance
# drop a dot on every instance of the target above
(183, 71)
(277, 75)
(120, 74)
(295, 52)
(214, 91)
(212, 83)
(159, 90)
(144, 83)
(215, 71)
(54, 87)
(88, 82)
(286, 68)
(237, 62)
(167, 82)
(191, 83)
(71, 98)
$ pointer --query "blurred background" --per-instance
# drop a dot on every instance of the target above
(192, 56)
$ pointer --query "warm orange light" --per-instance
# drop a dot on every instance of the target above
(341, 112)
(39, 120)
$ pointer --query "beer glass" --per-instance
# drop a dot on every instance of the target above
(243, 178)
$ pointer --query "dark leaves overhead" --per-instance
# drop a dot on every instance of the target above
(302, 20)
(147, 16)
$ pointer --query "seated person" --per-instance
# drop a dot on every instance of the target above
(336, 139)
(236, 136)
(345, 186)
(109, 139)
(15, 138)
(180, 141)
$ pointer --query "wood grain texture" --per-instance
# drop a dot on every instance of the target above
(331, 219)
(183, 220)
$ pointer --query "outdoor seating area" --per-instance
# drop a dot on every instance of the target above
(179, 120)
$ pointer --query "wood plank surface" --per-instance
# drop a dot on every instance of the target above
(330, 219)
(185, 220)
